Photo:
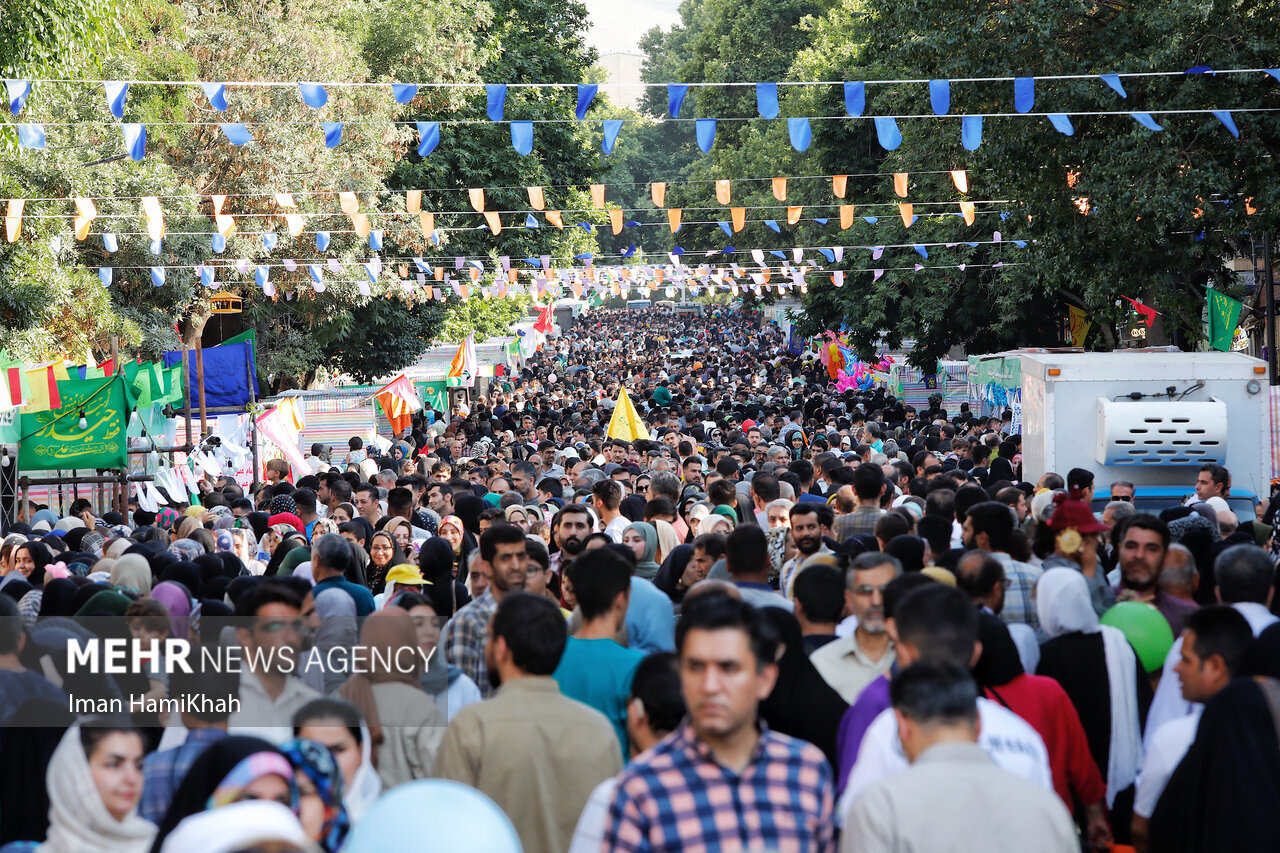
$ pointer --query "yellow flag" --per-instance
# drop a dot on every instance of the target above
(85, 214)
(154, 215)
(495, 224)
(846, 215)
(673, 218)
(553, 216)
(625, 423)
(477, 199)
(1078, 325)
(413, 201)
(13, 219)
(969, 211)
(738, 215)
(427, 222)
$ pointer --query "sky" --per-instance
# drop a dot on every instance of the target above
(616, 25)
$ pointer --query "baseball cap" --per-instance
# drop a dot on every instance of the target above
(406, 574)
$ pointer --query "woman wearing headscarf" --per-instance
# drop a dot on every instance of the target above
(231, 769)
(668, 539)
(106, 602)
(131, 573)
(186, 549)
(384, 553)
(30, 559)
(319, 781)
(1100, 671)
(721, 520)
(1043, 703)
(250, 825)
(178, 602)
(445, 683)
(435, 563)
(57, 597)
(95, 782)
(402, 531)
(642, 539)
(802, 704)
(1226, 792)
(287, 545)
(517, 515)
(406, 727)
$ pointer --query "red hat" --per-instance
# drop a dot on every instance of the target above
(1070, 514)
(289, 519)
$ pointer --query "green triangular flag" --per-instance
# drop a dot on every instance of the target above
(1224, 316)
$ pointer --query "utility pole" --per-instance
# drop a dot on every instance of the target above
(1268, 279)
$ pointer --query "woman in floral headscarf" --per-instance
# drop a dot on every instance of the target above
(319, 779)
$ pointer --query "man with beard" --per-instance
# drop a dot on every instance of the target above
(570, 528)
(1142, 551)
(504, 551)
(806, 532)
(513, 746)
(851, 663)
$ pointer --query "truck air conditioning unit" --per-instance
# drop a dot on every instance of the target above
(1138, 433)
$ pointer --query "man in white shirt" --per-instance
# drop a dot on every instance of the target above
(608, 499)
(270, 632)
(850, 663)
(939, 624)
(1214, 641)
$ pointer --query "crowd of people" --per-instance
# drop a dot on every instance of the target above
(790, 619)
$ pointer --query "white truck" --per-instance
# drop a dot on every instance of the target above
(1148, 417)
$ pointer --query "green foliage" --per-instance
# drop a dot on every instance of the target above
(38, 36)
(485, 318)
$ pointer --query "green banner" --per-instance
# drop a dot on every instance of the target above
(434, 395)
(10, 426)
(54, 440)
(1224, 316)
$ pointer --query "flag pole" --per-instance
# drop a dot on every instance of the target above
(1269, 278)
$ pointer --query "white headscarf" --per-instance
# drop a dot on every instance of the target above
(237, 827)
(78, 820)
(1064, 607)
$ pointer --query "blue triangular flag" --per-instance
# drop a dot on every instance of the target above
(404, 92)
(828, 254)
(822, 221)
(871, 220)
(1146, 121)
(109, 242)
(429, 136)
(798, 130)
(135, 140)
(421, 264)
(116, 93)
(31, 136)
(888, 133)
(924, 253)
(375, 240)
(728, 250)
(236, 133)
(1021, 244)
(104, 275)
(675, 98)
(940, 96)
(497, 100)
(533, 262)
(611, 129)
(855, 98)
(1024, 94)
(313, 95)
(1274, 72)
(631, 223)
(315, 270)
(1113, 80)
(772, 224)
(322, 240)
(585, 226)
(778, 254)
(435, 237)
(971, 132)
(269, 241)
(332, 133)
(216, 94)
(767, 99)
(155, 246)
(157, 276)
(530, 221)
(17, 90)
(705, 128)
(1225, 117)
(206, 276)
(629, 251)
(522, 137)
(724, 226)
(586, 94)
(676, 250)
(1062, 123)
(219, 244)
(262, 275)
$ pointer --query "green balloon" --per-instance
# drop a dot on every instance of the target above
(1146, 629)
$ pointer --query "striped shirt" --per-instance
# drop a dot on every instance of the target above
(678, 797)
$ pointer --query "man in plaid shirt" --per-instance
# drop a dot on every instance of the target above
(723, 781)
(988, 526)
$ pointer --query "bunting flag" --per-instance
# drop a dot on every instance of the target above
(961, 179)
(793, 214)
(839, 183)
(225, 223)
(705, 131)
(282, 426)
(1224, 316)
(586, 94)
(428, 137)
(940, 96)
(522, 137)
(496, 100)
(1077, 325)
(536, 198)
(723, 191)
(399, 401)
(906, 211)
(477, 199)
(216, 95)
(658, 192)
(313, 95)
(675, 99)
(968, 211)
(1148, 313)
(116, 94)
(40, 389)
(611, 128)
(154, 216)
(597, 196)
(767, 100)
(738, 216)
(135, 140)
(86, 211)
(1024, 94)
(463, 365)
(626, 424)
(615, 220)
(846, 216)
(553, 216)
(900, 184)
(799, 133)
(427, 223)
(673, 218)
(779, 186)
(332, 133)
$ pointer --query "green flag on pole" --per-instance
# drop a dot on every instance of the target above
(54, 439)
(1224, 316)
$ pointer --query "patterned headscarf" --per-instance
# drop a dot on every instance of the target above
(317, 763)
(283, 503)
(224, 541)
(186, 549)
(248, 771)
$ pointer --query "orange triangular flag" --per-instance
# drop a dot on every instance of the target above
(768, 274)
(13, 219)
(477, 200)
(900, 184)
(577, 289)
(536, 199)
(722, 192)
(224, 222)
(615, 220)
(793, 214)
(349, 203)
(659, 193)
(360, 224)
(155, 217)
(780, 189)
(738, 215)
(439, 273)
(967, 208)
(597, 195)
(906, 211)
(673, 218)
(846, 215)
(961, 179)
(838, 184)
(465, 290)
(427, 222)
(495, 224)
(85, 213)
(413, 201)
(553, 216)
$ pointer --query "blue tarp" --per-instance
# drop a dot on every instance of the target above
(227, 372)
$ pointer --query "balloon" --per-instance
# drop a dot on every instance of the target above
(434, 815)
(1145, 628)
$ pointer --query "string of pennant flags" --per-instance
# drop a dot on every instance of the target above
(32, 135)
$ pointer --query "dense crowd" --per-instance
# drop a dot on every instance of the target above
(791, 619)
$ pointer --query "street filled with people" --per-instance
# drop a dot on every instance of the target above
(763, 614)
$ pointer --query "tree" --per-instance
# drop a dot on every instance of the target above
(1113, 210)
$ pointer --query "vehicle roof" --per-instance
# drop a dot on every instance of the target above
(1178, 491)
